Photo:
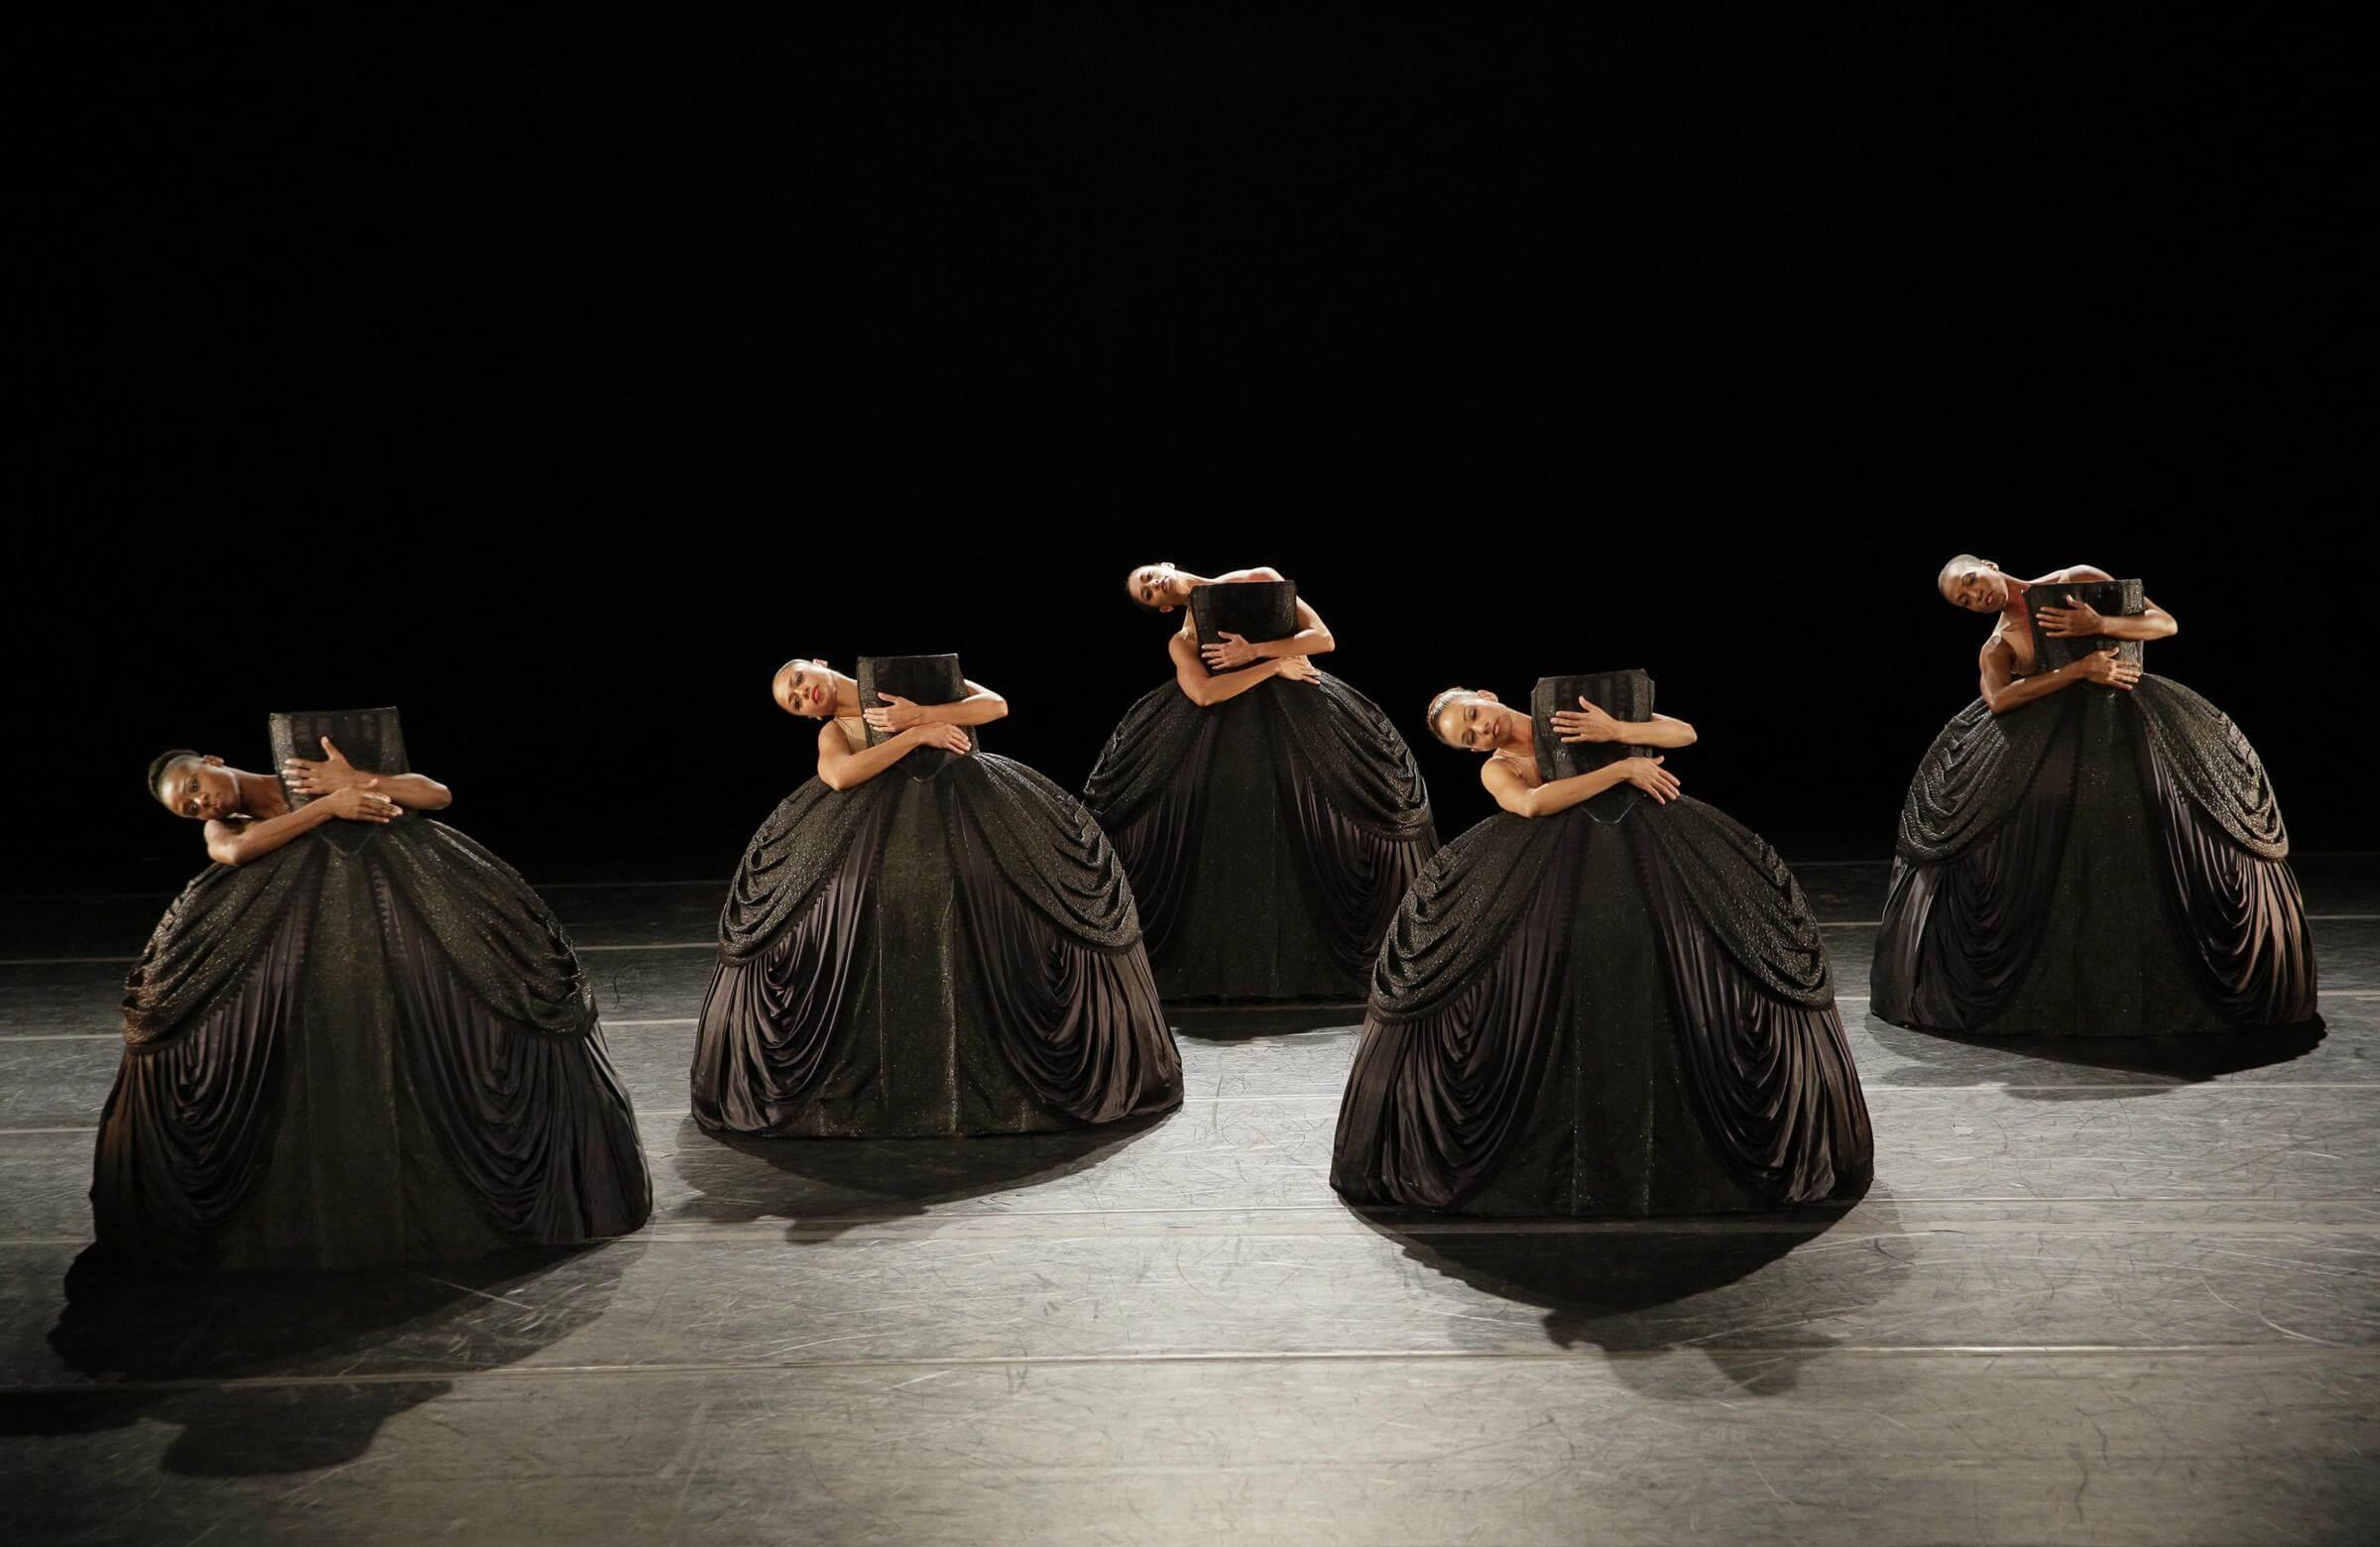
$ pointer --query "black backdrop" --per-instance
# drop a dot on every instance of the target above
(557, 382)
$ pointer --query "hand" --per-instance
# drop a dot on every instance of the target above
(1233, 653)
(1299, 668)
(2106, 666)
(328, 776)
(2074, 620)
(362, 802)
(941, 734)
(1585, 723)
(899, 717)
(1647, 775)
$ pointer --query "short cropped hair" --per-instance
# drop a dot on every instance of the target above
(162, 763)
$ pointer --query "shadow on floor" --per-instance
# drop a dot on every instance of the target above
(1750, 1293)
(353, 1351)
(1952, 1058)
(830, 1183)
(1254, 1023)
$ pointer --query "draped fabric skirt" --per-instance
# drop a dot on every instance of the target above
(949, 955)
(1268, 838)
(2095, 864)
(1622, 1009)
(373, 1045)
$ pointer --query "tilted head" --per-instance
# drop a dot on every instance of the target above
(200, 787)
(1975, 584)
(1159, 587)
(806, 687)
(1473, 719)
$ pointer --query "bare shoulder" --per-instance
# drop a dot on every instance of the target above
(832, 738)
(1499, 773)
(2077, 573)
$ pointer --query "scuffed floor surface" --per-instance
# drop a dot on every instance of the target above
(2098, 1294)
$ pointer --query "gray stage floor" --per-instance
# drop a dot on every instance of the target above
(2112, 1296)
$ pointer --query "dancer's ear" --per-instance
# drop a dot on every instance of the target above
(211, 760)
(1490, 697)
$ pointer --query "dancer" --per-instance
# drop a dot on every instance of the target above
(1270, 814)
(925, 938)
(2087, 849)
(1606, 999)
(357, 1037)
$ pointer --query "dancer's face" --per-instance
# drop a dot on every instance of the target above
(806, 688)
(1158, 585)
(1474, 722)
(200, 788)
(1978, 587)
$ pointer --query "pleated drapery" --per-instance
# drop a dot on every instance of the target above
(960, 954)
(374, 1049)
(2097, 863)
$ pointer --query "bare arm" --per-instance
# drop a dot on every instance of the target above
(1515, 793)
(1313, 637)
(981, 706)
(2059, 621)
(2004, 690)
(1190, 674)
(236, 843)
(2152, 622)
(842, 766)
(416, 792)
(1588, 723)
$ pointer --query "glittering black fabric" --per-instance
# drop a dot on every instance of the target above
(1268, 838)
(362, 1051)
(922, 679)
(2093, 864)
(1255, 610)
(1624, 1013)
(1624, 695)
(2107, 598)
(372, 740)
(958, 955)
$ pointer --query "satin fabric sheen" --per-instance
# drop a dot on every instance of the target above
(1625, 1009)
(370, 1046)
(1268, 838)
(952, 955)
(2093, 864)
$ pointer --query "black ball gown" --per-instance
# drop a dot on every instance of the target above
(1268, 837)
(949, 948)
(373, 1045)
(1623, 1008)
(2097, 863)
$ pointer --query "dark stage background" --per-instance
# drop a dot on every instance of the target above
(557, 382)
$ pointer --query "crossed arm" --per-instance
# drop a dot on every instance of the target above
(1515, 794)
(1206, 690)
(338, 792)
(2062, 618)
(841, 766)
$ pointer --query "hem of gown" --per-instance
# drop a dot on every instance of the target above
(1057, 1123)
(1260, 1002)
(1846, 1194)
(116, 1261)
(2214, 1028)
